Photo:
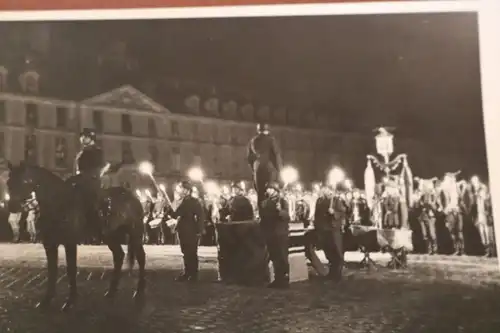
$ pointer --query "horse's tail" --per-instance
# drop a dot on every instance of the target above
(131, 255)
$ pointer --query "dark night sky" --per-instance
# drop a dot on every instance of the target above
(418, 72)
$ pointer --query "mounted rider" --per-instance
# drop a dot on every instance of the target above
(89, 166)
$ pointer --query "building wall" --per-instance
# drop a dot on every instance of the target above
(218, 146)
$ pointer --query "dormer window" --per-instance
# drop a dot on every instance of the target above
(29, 82)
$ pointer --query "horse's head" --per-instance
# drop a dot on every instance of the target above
(21, 184)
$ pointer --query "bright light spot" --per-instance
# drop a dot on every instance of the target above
(225, 190)
(7, 197)
(243, 185)
(146, 168)
(196, 174)
(335, 176)
(348, 184)
(211, 188)
(163, 188)
(289, 175)
(148, 193)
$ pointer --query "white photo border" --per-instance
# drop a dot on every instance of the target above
(488, 20)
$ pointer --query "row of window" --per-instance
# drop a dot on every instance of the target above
(197, 132)
(32, 115)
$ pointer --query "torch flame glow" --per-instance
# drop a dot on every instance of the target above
(196, 174)
(211, 188)
(289, 175)
(335, 176)
(146, 168)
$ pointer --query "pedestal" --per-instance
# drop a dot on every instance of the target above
(242, 253)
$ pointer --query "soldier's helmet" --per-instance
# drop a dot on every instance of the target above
(237, 186)
(187, 185)
(89, 133)
(262, 127)
(274, 185)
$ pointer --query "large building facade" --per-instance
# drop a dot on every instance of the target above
(132, 127)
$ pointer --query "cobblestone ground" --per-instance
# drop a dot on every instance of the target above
(434, 295)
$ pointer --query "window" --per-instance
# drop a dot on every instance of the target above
(3, 112)
(126, 124)
(196, 156)
(61, 153)
(215, 134)
(97, 120)
(3, 78)
(2, 145)
(153, 153)
(127, 153)
(61, 117)
(176, 159)
(174, 128)
(195, 132)
(153, 133)
(32, 114)
(30, 150)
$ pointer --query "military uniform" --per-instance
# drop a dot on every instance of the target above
(89, 164)
(302, 212)
(265, 161)
(427, 218)
(391, 212)
(240, 208)
(330, 216)
(190, 227)
(274, 223)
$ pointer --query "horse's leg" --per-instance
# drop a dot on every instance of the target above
(71, 269)
(51, 254)
(114, 245)
(140, 255)
(14, 221)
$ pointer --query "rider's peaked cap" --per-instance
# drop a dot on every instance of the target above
(261, 127)
(88, 132)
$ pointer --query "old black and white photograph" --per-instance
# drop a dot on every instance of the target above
(245, 174)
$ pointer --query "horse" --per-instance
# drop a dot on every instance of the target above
(62, 221)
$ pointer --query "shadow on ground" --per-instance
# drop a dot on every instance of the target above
(426, 298)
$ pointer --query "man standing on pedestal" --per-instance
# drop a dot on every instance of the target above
(264, 159)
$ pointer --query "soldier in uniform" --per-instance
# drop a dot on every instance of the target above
(264, 159)
(240, 207)
(274, 223)
(330, 216)
(88, 167)
(428, 208)
(190, 216)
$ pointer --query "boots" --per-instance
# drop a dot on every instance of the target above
(335, 272)
(431, 247)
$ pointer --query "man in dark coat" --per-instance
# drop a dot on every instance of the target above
(264, 159)
(240, 207)
(274, 223)
(330, 216)
(190, 216)
(89, 164)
